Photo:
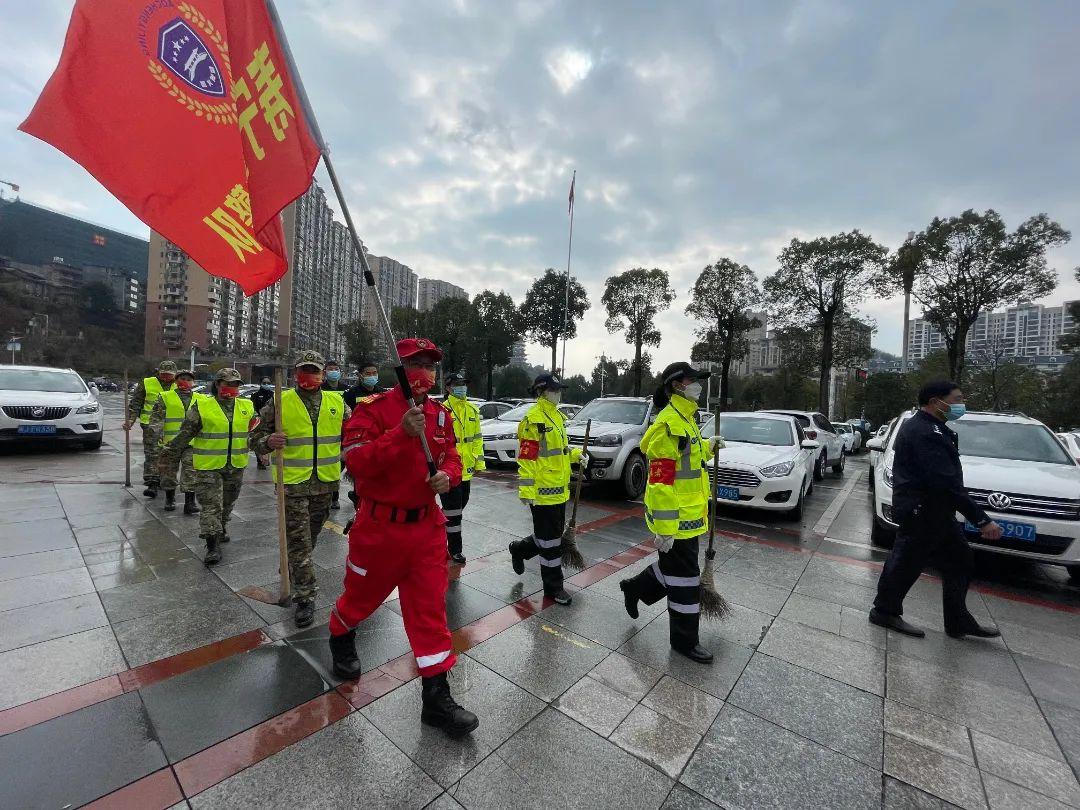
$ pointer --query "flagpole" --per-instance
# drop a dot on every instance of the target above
(369, 277)
(566, 289)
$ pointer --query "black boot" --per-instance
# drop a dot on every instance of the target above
(334, 501)
(213, 550)
(343, 651)
(305, 612)
(190, 505)
(442, 711)
(170, 500)
(695, 653)
(516, 560)
(150, 491)
(630, 599)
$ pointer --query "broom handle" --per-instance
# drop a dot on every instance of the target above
(581, 474)
(127, 436)
(710, 552)
(285, 589)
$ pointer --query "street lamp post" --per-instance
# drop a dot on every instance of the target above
(908, 271)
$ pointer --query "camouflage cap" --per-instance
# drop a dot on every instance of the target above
(228, 375)
(185, 373)
(310, 358)
(167, 365)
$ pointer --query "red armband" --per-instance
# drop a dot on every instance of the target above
(528, 450)
(662, 471)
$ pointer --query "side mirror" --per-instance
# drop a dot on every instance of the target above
(809, 444)
(876, 444)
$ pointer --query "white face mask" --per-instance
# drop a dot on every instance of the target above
(554, 397)
(692, 391)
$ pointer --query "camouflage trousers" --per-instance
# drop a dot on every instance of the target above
(186, 477)
(304, 519)
(217, 491)
(151, 450)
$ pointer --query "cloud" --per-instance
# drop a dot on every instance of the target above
(568, 67)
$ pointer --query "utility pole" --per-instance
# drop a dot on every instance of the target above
(907, 270)
(603, 374)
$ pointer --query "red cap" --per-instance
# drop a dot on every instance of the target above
(410, 347)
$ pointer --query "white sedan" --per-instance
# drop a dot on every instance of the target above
(500, 433)
(852, 438)
(767, 462)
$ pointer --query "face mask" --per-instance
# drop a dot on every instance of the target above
(333, 376)
(309, 380)
(956, 410)
(692, 391)
(185, 384)
(459, 391)
(554, 397)
(228, 391)
(267, 387)
(166, 379)
(421, 380)
(372, 381)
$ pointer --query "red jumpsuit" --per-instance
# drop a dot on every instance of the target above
(397, 539)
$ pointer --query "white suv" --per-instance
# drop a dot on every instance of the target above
(40, 403)
(618, 423)
(1016, 470)
(819, 429)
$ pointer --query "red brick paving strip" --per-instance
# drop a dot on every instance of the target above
(46, 708)
(183, 662)
(157, 791)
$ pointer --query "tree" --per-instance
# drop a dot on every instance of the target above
(633, 300)
(722, 297)
(542, 312)
(1062, 408)
(97, 297)
(450, 325)
(408, 322)
(495, 328)
(887, 395)
(511, 381)
(899, 277)
(972, 264)
(359, 343)
(818, 283)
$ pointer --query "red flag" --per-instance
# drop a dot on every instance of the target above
(572, 181)
(187, 112)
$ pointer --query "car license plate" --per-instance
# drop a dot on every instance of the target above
(48, 429)
(1009, 530)
(728, 493)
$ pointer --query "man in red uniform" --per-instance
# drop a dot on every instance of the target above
(398, 539)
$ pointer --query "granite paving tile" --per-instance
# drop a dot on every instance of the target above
(41, 622)
(863, 576)
(813, 612)
(158, 596)
(41, 562)
(841, 659)
(345, 765)
(928, 731)
(679, 701)
(444, 802)
(831, 713)
(1065, 721)
(748, 593)
(682, 798)
(595, 705)
(625, 675)
(465, 605)
(32, 511)
(503, 709)
(241, 573)
(104, 582)
(44, 535)
(379, 638)
(1053, 647)
(855, 624)
(1050, 681)
(662, 742)
(897, 795)
(938, 775)
(829, 588)
(1004, 795)
(40, 588)
(556, 762)
(500, 581)
(1049, 777)
(745, 761)
(1061, 622)
(159, 635)
(780, 569)
(28, 673)
(596, 618)
(979, 659)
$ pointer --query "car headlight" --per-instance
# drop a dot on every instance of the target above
(886, 476)
(90, 407)
(778, 470)
(608, 440)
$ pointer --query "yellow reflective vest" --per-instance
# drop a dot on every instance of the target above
(153, 388)
(220, 440)
(544, 456)
(175, 411)
(311, 448)
(470, 444)
(677, 494)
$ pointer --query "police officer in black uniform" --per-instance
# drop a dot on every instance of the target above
(928, 489)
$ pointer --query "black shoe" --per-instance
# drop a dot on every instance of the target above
(225, 538)
(458, 558)
(517, 560)
(305, 613)
(190, 506)
(260, 466)
(170, 500)
(348, 527)
(974, 629)
(629, 598)
(894, 623)
(442, 711)
(150, 491)
(560, 597)
(343, 651)
(695, 653)
(334, 502)
(213, 551)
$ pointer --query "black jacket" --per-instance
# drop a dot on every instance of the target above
(927, 474)
(261, 397)
(361, 390)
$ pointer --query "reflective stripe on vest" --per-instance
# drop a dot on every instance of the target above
(175, 411)
(153, 389)
(219, 440)
(309, 449)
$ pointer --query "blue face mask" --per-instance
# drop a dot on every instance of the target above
(956, 410)
(372, 381)
(267, 387)
(459, 391)
(333, 376)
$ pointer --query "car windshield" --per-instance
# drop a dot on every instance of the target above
(841, 427)
(798, 417)
(57, 382)
(1009, 440)
(756, 430)
(515, 414)
(623, 412)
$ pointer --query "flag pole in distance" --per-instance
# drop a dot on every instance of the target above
(369, 277)
(566, 289)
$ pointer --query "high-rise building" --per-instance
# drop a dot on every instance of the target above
(433, 290)
(518, 357)
(396, 284)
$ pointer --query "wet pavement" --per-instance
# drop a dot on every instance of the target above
(132, 676)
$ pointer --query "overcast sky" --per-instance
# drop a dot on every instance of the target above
(698, 130)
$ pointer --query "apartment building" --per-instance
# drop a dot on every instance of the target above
(432, 290)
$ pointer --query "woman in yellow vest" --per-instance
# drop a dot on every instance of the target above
(676, 508)
(544, 459)
(217, 428)
(141, 404)
(165, 420)
(470, 446)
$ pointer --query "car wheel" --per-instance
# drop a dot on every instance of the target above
(819, 468)
(838, 467)
(870, 480)
(634, 477)
(94, 444)
(797, 512)
(880, 536)
(810, 487)
(1074, 573)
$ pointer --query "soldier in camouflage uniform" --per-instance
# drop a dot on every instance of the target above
(142, 402)
(311, 437)
(165, 420)
(216, 427)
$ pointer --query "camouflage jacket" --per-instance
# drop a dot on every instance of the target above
(312, 400)
(189, 429)
(157, 415)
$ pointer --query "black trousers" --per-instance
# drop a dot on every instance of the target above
(454, 502)
(919, 539)
(677, 576)
(549, 522)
